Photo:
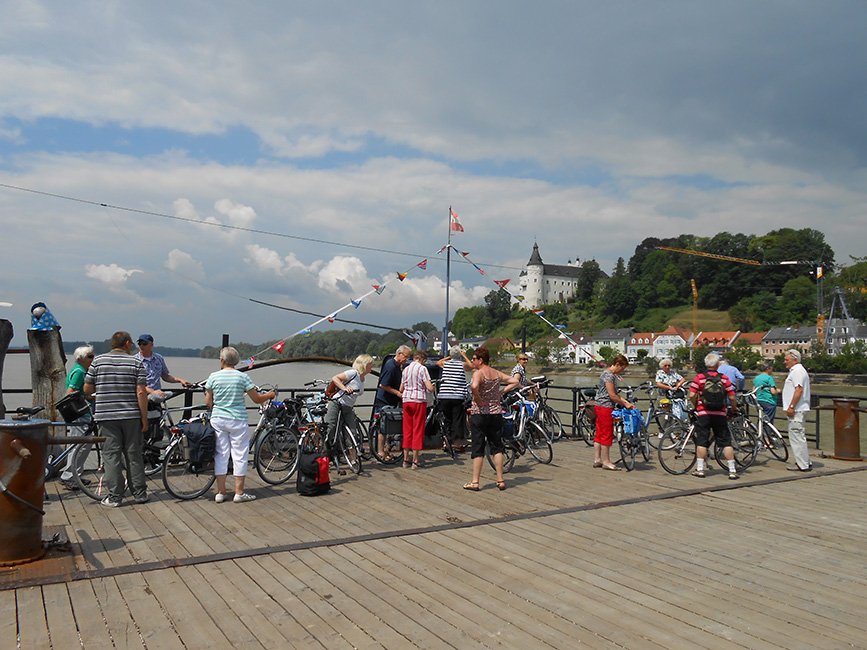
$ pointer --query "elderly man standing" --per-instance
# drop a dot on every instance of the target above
(155, 367)
(118, 379)
(796, 399)
(708, 393)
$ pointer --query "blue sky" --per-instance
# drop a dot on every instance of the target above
(586, 126)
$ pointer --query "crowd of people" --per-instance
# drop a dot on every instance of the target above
(122, 384)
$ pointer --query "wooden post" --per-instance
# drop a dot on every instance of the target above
(47, 370)
(6, 333)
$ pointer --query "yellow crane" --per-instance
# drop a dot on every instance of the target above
(820, 272)
(694, 307)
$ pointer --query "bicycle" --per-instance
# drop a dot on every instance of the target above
(544, 414)
(338, 442)
(392, 437)
(275, 454)
(585, 415)
(677, 449)
(631, 434)
(765, 433)
(528, 434)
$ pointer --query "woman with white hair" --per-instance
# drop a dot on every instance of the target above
(224, 397)
(75, 384)
(350, 384)
(452, 395)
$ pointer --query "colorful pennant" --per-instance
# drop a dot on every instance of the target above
(455, 223)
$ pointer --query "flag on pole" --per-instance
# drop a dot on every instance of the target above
(422, 265)
(502, 283)
(401, 276)
(279, 346)
(455, 223)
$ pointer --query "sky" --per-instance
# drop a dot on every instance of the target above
(163, 164)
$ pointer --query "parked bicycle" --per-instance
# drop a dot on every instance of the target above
(521, 433)
(766, 435)
(631, 434)
(677, 449)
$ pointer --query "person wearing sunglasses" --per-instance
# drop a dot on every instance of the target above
(75, 384)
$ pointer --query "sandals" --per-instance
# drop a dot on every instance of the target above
(472, 486)
(501, 485)
(611, 468)
(597, 464)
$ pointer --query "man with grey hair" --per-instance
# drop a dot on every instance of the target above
(708, 392)
(796, 399)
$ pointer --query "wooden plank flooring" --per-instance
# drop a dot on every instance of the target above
(568, 556)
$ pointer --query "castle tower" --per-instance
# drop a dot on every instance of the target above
(532, 283)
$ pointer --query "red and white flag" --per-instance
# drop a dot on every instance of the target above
(422, 265)
(455, 224)
(502, 283)
(279, 346)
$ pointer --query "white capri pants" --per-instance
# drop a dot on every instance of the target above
(233, 436)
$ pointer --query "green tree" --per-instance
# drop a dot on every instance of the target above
(681, 358)
(760, 311)
(469, 322)
(619, 297)
(607, 353)
(799, 301)
(499, 306)
(743, 356)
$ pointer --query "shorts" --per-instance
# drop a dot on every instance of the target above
(486, 429)
(720, 426)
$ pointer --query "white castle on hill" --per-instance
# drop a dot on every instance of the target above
(543, 284)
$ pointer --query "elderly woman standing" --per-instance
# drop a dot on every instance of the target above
(486, 416)
(453, 393)
(606, 399)
(224, 396)
(75, 384)
(415, 384)
(350, 384)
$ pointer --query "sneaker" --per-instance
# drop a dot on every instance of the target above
(795, 468)
(69, 485)
(733, 476)
(243, 498)
(108, 502)
(698, 472)
(219, 497)
(142, 499)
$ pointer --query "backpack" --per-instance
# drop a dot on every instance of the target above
(312, 478)
(713, 395)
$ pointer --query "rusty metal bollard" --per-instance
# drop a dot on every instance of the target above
(22, 487)
(847, 435)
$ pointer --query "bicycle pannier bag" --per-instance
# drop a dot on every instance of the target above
(391, 420)
(713, 395)
(202, 441)
(312, 478)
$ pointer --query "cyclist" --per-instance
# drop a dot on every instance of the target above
(708, 393)
(453, 393)
(350, 384)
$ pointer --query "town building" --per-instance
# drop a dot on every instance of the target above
(544, 284)
(716, 341)
(613, 338)
(637, 342)
(780, 339)
(669, 340)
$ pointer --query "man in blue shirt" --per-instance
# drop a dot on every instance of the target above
(155, 367)
(736, 377)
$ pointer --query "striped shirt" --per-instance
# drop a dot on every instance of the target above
(454, 380)
(229, 387)
(115, 377)
(697, 386)
(413, 381)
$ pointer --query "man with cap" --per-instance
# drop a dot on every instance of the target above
(155, 366)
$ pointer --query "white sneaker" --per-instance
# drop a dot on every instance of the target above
(219, 497)
(243, 498)
(108, 502)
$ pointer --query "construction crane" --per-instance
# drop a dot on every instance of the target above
(694, 307)
(820, 272)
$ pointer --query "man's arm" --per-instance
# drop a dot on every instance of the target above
(796, 397)
(141, 395)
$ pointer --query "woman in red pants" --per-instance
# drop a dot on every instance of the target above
(606, 399)
(414, 386)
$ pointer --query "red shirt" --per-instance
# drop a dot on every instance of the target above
(697, 385)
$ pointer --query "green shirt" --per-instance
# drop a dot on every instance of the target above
(229, 387)
(764, 382)
(75, 378)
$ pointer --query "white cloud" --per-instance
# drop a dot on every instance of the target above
(185, 265)
(110, 274)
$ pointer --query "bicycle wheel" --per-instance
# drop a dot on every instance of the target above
(364, 440)
(392, 444)
(509, 455)
(642, 442)
(776, 443)
(538, 443)
(586, 427)
(349, 449)
(440, 420)
(745, 444)
(182, 480)
(152, 456)
(276, 455)
(676, 450)
(551, 423)
(89, 471)
(627, 449)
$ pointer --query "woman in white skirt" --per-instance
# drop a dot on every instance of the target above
(224, 396)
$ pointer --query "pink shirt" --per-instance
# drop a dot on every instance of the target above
(413, 380)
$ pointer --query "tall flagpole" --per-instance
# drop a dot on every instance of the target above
(445, 346)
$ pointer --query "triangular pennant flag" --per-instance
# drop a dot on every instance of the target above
(250, 361)
(560, 326)
(442, 249)
(401, 276)
(379, 288)
(539, 312)
(465, 253)
(422, 265)
(356, 303)
(306, 332)
(330, 319)
(279, 346)
(455, 224)
(519, 298)
(502, 283)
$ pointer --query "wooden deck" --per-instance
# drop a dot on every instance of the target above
(568, 556)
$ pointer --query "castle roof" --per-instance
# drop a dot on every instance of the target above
(535, 258)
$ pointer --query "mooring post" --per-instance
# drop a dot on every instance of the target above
(6, 333)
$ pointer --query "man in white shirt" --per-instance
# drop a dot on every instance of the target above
(796, 399)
